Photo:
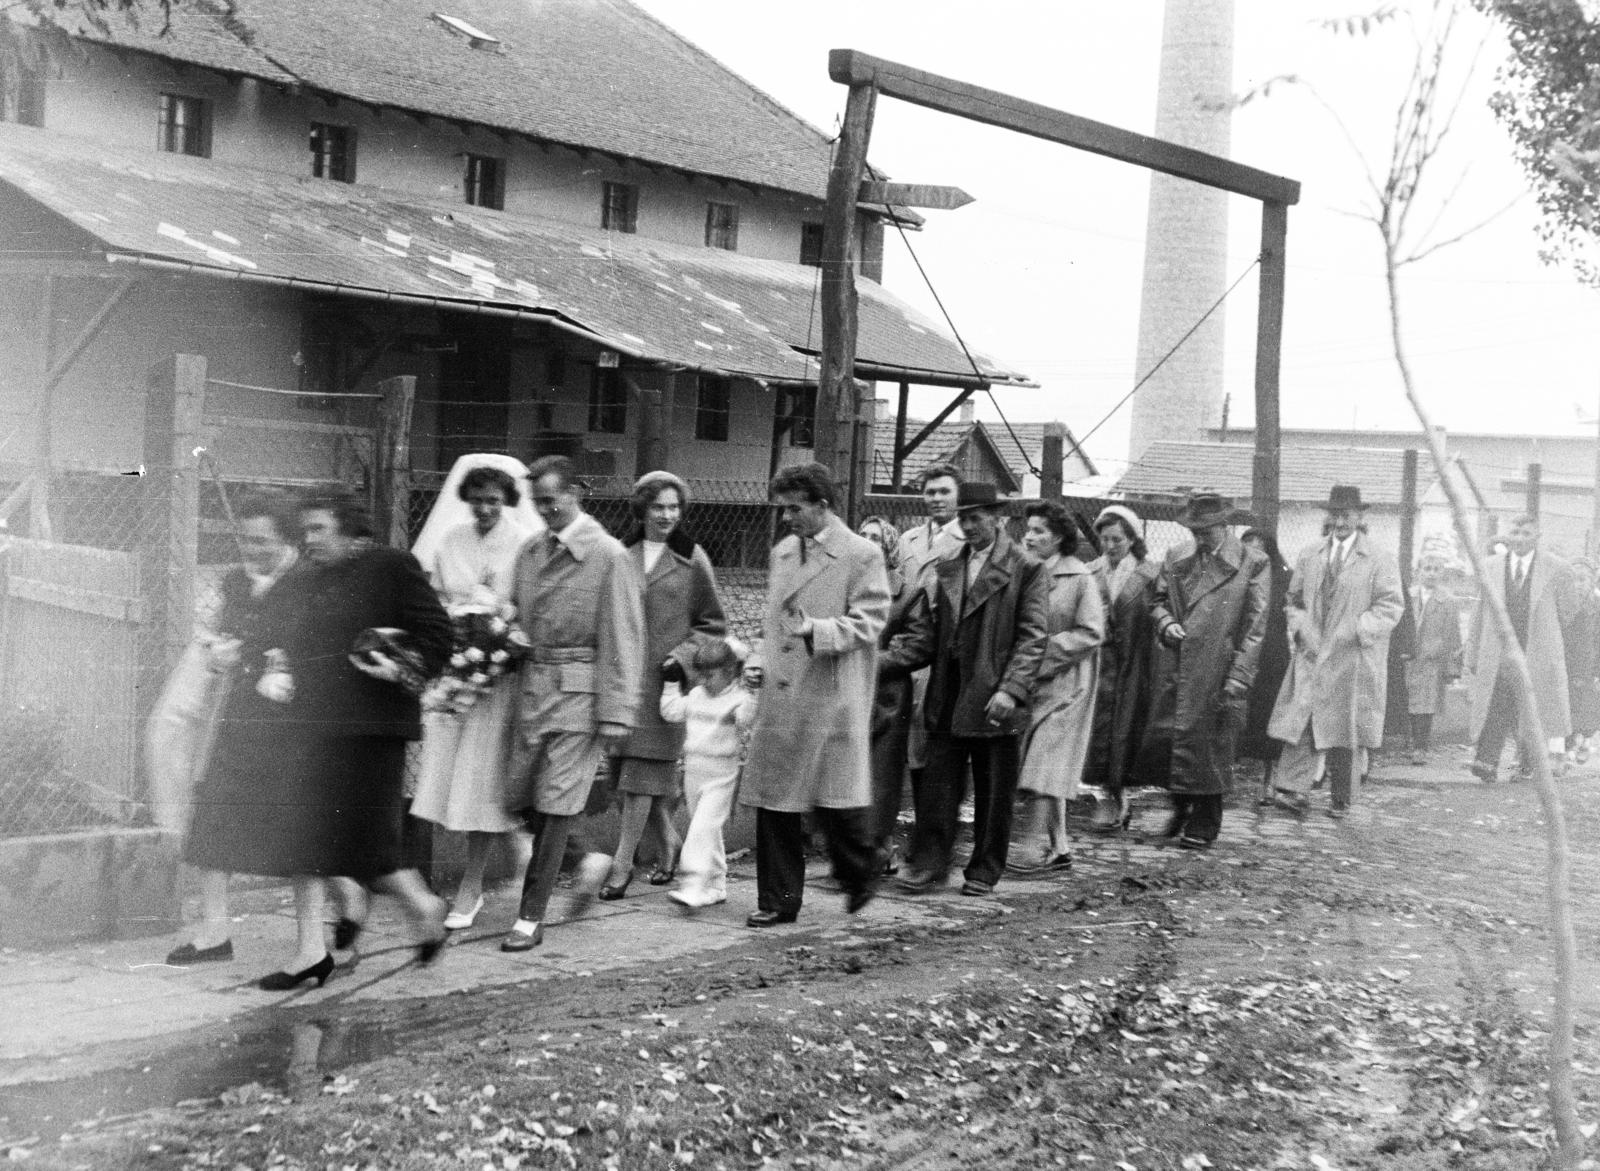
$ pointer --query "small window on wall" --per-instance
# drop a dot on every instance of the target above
(722, 226)
(26, 106)
(486, 181)
(801, 406)
(811, 245)
(608, 401)
(183, 125)
(333, 152)
(619, 207)
(713, 408)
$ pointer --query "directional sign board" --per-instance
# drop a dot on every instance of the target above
(913, 195)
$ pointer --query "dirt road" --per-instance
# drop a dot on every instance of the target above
(1318, 994)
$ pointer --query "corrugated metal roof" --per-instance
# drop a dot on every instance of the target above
(701, 308)
(599, 74)
(1305, 473)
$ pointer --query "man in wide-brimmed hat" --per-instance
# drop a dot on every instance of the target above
(982, 633)
(1344, 599)
(1209, 606)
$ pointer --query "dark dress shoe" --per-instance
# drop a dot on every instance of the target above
(770, 918)
(284, 981)
(523, 940)
(916, 882)
(662, 875)
(345, 934)
(612, 891)
(855, 900)
(974, 889)
(1189, 843)
(1485, 772)
(185, 954)
(428, 950)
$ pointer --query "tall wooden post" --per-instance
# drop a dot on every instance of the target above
(655, 425)
(1269, 344)
(837, 406)
(866, 421)
(1052, 456)
(1408, 514)
(391, 486)
(173, 410)
(899, 474)
(1535, 489)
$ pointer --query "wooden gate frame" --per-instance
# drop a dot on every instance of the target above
(839, 406)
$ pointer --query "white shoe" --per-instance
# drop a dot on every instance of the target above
(461, 920)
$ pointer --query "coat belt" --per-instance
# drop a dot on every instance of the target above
(562, 654)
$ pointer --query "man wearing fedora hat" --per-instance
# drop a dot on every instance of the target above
(982, 632)
(1344, 599)
(1209, 604)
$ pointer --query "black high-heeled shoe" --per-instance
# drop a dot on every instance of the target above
(428, 950)
(612, 891)
(345, 933)
(285, 981)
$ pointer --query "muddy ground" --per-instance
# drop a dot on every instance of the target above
(1361, 994)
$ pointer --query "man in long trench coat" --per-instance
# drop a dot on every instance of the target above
(1344, 600)
(1541, 596)
(1209, 606)
(827, 601)
(579, 600)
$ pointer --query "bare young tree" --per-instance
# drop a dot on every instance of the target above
(1412, 203)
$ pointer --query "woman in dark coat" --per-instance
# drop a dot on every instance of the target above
(245, 773)
(352, 715)
(681, 610)
(891, 704)
(1122, 704)
(1273, 663)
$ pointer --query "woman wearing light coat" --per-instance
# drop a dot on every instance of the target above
(1061, 723)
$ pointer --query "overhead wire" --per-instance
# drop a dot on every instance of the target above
(1027, 460)
(1175, 347)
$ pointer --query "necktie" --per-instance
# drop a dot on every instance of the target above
(1522, 573)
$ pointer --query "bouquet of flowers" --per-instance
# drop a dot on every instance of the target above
(488, 645)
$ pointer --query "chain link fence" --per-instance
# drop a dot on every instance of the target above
(80, 649)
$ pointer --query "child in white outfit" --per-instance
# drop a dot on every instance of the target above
(716, 715)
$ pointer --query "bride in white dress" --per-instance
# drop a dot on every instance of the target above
(469, 548)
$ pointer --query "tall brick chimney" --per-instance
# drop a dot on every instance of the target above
(1186, 237)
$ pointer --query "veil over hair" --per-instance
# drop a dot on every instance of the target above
(450, 511)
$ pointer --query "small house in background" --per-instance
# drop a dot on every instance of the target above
(1010, 456)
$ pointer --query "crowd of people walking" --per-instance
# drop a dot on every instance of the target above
(553, 671)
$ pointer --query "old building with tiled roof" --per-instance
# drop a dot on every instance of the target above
(556, 216)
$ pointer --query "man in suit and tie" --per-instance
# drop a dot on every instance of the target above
(580, 602)
(1541, 597)
(810, 747)
(1344, 600)
(982, 632)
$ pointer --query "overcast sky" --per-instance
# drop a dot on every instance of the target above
(1044, 269)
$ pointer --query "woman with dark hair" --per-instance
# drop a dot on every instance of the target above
(468, 548)
(1271, 667)
(891, 705)
(1061, 717)
(245, 773)
(681, 610)
(369, 631)
(1127, 576)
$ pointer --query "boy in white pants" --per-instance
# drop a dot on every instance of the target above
(716, 715)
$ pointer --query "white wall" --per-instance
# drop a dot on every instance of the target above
(114, 100)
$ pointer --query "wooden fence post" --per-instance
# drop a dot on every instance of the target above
(1408, 514)
(391, 488)
(173, 437)
(1535, 488)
